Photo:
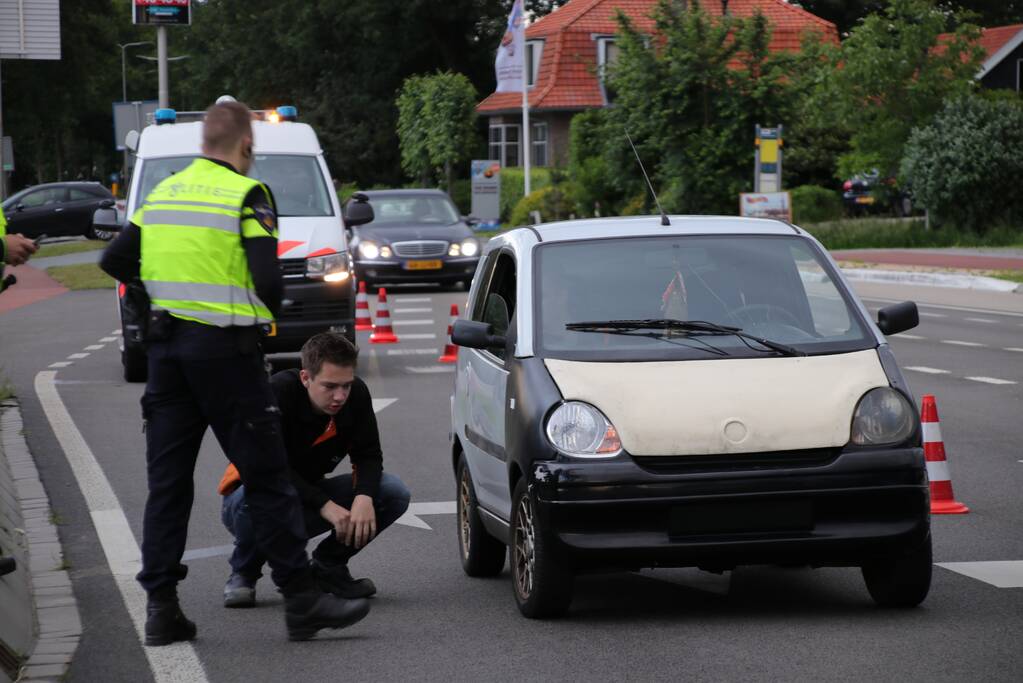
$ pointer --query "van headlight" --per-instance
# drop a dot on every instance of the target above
(883, 416)
(581, 431)
(330, 268)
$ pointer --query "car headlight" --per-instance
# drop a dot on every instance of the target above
(883, 416)
(331, 268)
(580, 430)
(369, 250)
(470, 247)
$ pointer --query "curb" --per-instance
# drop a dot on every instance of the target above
(951, 280)
(58, 624)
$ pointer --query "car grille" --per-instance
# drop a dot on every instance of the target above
(293, 267)
(735, 462)
(420, 249)
(317, 310)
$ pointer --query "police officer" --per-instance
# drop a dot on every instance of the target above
(204, 243)
(14, 249)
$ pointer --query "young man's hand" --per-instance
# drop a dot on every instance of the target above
(19, 248)
(338, 517)
(362, 525)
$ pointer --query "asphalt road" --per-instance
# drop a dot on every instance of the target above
(431, 622)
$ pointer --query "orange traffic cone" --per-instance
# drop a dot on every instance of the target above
(383, 333)
(363, 322)
(943, 501)
(450, 350)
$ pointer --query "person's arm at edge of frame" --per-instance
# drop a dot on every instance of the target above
(121, 259)
(259, 239)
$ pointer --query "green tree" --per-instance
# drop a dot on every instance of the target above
(889, 77)
(965, 165)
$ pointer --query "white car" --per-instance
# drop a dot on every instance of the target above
(709, 393)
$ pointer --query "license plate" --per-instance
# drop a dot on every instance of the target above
(424, 265)
(864, 200)
(741, 517)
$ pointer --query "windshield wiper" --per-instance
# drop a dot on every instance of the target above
(690, 326)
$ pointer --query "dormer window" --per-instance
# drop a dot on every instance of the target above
(607, 55)
(534, 53)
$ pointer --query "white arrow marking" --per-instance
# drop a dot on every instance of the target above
(381, 403)
(411, 516)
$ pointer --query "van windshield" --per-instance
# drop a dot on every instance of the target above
(635, 290)
(295, 180)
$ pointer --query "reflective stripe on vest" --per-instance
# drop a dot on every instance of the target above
(193, 262)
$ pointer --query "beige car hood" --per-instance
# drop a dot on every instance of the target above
(743, 405)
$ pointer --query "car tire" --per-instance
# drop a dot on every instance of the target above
(135, 365)
(481, 553)
(903, 581)
(542, 579)
(95, 234)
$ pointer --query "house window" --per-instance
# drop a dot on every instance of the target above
(1019, 75)
(534, 53)
(504, 143)
(607, 55)
(538, 141)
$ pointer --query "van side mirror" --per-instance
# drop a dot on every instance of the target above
(106, 219)
(898, 318)
(358, 210)
(476, 335)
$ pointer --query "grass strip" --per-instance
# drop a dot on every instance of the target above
(81, 276)
(62, 248)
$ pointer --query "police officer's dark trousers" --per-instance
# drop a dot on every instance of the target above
(204, 376)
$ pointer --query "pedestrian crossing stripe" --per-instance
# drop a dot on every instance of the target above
(1000, 574)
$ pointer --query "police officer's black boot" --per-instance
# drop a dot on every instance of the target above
(337, 579)
(165, 622)
(307, 609)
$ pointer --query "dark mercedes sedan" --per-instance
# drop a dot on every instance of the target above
(416, 236)
(57, 209)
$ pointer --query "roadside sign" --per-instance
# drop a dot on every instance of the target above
(486, 190)
(766, 205)
(162, 12)
(131, 116)
(767, 160)
(30, 29)
(8, 154)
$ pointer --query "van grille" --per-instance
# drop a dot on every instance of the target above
(293, 267)
(420, 249)
(331, 311)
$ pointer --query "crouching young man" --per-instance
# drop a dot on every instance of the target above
(326, 414)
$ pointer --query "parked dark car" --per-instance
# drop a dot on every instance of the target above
(415, 236)
(869, 193)
(55, 209)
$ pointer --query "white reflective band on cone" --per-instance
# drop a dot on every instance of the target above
(932, 432)
(937, 470)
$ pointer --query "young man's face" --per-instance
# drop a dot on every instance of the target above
(329, 389)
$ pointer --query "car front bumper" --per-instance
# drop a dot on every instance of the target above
(310, 307)
(453, 269)
(840, 510)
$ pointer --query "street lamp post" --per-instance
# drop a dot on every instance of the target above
(124, 68)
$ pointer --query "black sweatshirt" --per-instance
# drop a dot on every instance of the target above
(357, 437)
(121, 259)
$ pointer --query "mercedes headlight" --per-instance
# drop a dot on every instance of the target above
(369, 250)
(580, 430)
(883, 416)
(331, 268)
(470, 247)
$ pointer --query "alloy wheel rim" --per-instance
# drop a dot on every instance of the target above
(525, 548)
(463, 513)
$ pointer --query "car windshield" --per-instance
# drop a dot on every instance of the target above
(637, 291)
(394, 209)
(296, 181)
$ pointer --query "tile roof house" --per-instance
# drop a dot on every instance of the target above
(1003, 57)
(566, 51)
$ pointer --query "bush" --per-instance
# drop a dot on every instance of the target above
(461, 195)
(815, 204)
(513, 186)
(966, 165)
(884, 233)
(553, 202)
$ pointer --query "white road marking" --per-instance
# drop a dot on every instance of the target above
(107, 340)
(1000, 574)
(412, 300)
(78, 356)
(956, 342)
(990, 380)
(931, 315)
(94, 347)
(903, 335)
(411, 516)
(412, 352)
(410, 323)
(927, 370)
(172, 663)
(61, 364)
(117, 331)
(1013, 348)
(430, 369)
(413, 310)
(982, 320)
(381, 403)
(423, 335)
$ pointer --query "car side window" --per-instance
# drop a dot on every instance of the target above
(80, 195)
(43, 198)
(496, 305)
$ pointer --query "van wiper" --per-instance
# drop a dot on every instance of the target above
(690, 326)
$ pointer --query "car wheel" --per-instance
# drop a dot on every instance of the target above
(482, 554)
(95, 233)
(135, 364)
(541, 578)
(902, 581)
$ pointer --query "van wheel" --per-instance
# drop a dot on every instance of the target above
(541, 578)
(135, 365)
(482, 554)
(902, 581)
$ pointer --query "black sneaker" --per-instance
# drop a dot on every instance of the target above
(240, 591)
(165, 622)
(307, 609)
(337, 579)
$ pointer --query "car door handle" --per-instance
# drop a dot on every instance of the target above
(57, 210)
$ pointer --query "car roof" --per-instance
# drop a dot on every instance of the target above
(647, 226)
(64, 183)
(178, 139)
(406, 193)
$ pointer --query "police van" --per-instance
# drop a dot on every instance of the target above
(319, 285)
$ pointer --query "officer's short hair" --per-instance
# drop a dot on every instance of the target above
(328, 347)
(225, 124)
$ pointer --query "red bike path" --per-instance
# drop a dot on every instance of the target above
(931, 258)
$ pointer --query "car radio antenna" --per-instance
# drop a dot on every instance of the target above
(664, 216)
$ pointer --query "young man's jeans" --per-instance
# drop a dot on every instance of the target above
(390, 503)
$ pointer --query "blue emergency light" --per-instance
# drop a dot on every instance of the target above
(287, 113)
(162, 116)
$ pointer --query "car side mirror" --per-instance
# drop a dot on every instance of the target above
(898, 318)
(476, 335)
(358, 211)
(471, 221)
(106, 204)
(19, 207)
(106, 219)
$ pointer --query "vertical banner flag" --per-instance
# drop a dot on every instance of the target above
(511, 54)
